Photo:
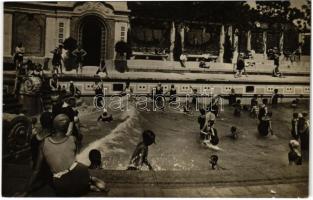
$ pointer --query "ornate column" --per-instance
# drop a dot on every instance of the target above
(221, 44)
(230, 34)
(249, 40)
(264, 44)
(182, 35)
(236, 40)
(172, 40)
(281, 43)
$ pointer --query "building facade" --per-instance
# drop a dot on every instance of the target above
(98, 26)
(41, 26)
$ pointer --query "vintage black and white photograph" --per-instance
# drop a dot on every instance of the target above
(156, 98)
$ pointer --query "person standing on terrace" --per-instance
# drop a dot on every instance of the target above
(57, 59)
(241, 68)
(183, 59)
(19, 55)
(235, 59)
(276, 72)
(79, 53)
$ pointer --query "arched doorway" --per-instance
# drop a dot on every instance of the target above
(92, 32)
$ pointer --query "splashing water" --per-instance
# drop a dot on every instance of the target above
(111, 143)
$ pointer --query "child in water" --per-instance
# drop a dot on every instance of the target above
(187, 108)
(294, 155)
(238, 108)
(209, 134)
(233, 133)
(213, 162)
(140, 155)
(95, 159)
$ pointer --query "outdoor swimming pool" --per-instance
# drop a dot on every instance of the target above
(177, 138)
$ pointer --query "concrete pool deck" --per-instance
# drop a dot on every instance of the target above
(291, 181)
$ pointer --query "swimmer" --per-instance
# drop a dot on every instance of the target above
(105, 117)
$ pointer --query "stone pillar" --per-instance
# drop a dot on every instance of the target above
(249, 40)
(236, 40)
(7, 40)
(172, 39)
(230, 34)
(281, 43)
(221, 44)
(182, 35)
(264, 44)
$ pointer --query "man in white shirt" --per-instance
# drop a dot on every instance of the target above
(183, 59)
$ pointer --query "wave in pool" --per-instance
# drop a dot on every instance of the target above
(113, 142)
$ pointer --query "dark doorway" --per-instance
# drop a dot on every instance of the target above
(92, 31)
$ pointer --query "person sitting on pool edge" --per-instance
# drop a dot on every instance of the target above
(241, 68)
(105, 117)
(70, 178)
(202, 64)
(140, 155)
(277, 73)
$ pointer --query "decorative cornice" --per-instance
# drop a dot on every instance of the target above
(93, 6)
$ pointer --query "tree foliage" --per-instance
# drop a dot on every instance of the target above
(282, 12)
(235, 12)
